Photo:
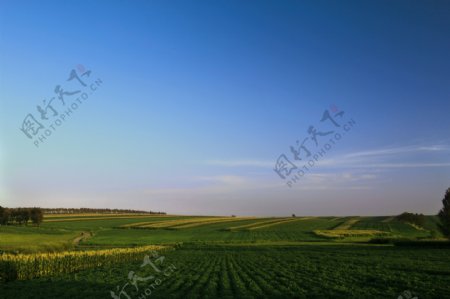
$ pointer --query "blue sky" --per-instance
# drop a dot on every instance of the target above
(199, 99)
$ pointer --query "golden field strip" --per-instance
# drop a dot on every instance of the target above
(277, 223)
(196, 224)
(182, 223)
(347, 224)
(344, 230)
(266, 223)
(341, 233)
(247, 226)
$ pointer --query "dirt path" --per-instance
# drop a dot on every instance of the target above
(82, 237)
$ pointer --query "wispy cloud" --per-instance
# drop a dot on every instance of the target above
(393, 157)
(241, 163)
(381, 158)
(398, 151)
(225, 179)
(219, 184)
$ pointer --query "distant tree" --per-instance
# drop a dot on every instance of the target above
(36, 216)
(444, 215)
(5, 218)
(26, 215)
(3, 212)
(14, 216)
(19, 216)
(293, 215)
(23, 215)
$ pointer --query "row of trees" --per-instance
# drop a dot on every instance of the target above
(20, 216)
(97, 211)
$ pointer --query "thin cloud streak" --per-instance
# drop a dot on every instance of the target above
(240, 163)
(356, 159)
(399, 150)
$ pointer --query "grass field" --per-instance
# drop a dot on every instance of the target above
(224, 257)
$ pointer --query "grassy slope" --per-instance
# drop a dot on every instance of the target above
(54, 235)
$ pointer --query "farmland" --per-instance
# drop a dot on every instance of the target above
(223, 257)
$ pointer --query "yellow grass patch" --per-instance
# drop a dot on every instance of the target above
(347, 224)
(340, 233)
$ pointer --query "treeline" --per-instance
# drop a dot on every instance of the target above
(417, 219)
(20, 216)
(96, 211)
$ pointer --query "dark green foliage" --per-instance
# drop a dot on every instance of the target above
(417, 219)
(8, 272)
(444, 215)
(36, 216)
(4, 215)
(20, 215)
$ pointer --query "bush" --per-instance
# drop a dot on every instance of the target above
(8, 271)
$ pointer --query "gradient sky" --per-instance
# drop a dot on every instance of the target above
(200, 98)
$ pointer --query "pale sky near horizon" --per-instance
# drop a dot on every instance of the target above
(195, 101)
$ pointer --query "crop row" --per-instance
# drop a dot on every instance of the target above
(28, 266)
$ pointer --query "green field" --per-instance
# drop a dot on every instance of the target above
(225, 257)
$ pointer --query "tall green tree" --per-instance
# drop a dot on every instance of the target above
(36, 216)
(2, 215)
(444, 215)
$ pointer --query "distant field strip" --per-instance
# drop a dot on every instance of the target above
(195, 224)
(388, 219)
(335, 219)
(347, 224)
(181, 223)
(265, 224)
